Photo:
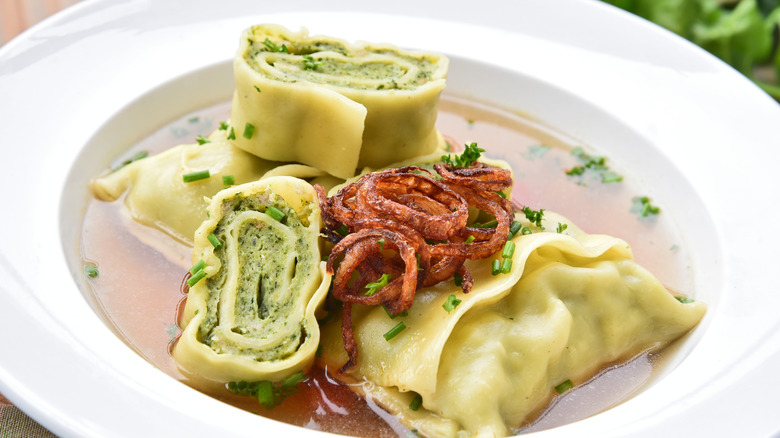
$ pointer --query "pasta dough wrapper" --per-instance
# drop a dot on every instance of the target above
(252, 317)
(158, 197)
(333, 105)
(572, 303)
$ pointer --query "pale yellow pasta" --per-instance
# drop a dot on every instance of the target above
(332, 105)
(252, 316)
(157, 195)
(572, 303)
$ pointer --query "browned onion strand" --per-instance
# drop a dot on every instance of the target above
(406, 224)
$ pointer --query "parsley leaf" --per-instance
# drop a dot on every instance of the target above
(470, 155)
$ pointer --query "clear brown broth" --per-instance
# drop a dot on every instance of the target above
(141, 269)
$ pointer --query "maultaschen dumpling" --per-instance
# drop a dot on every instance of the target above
(572, 304)
(332, 105)
(251, 316)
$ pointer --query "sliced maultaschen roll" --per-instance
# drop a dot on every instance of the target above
(333, 105)
(251, 314)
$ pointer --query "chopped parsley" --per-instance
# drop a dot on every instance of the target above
(470, 155)
(451, 303)
(231, 134)
(202, 140)
(223, 126)
(309, 63)
(273, 47)
(373, 287)
(596, 165)
(534, 216)
(249, 130)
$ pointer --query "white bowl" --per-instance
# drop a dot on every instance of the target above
(84, 85)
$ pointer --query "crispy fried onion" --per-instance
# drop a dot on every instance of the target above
(409, 229)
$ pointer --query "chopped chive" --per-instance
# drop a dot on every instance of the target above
(381, 243)
(564, 386)
(275, 213)
(393, 332)
(342, 230)
(495, 268)
(469, 240)
(265, 393)
(228, 180)
(501, 194)
(683, 299)
(91, 271)
(196, 277)
(561, 228)
(319, 351)
(258, 89)
(514, 228)
(404, 313)
(509, 249)
(534, 216)
(458, 279)
(223, 126)
(506, 266)
(214, 241)
(249, 130)
(202, 140)
(525, 231)
(491, 224)
(373, 287)
(451, 303)
(416, 402)
(196, 176)
(294, 379)
(231, 134)
(197, 267)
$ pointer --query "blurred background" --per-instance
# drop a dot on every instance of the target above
(18, 15)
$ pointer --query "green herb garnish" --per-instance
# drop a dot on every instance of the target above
(451, 303)
(91, 271)
(564, 386)
(404, 313)
(196, 277)
(273, 47)
(202, 140)
(416, 402)
(509, 249)
(561, 228)
(309, 63)
(642, 206)
(684, 299)
(223, 126)
(275, 213)
(393, 332)
(468, 157)
(214, 241)
(534, 216)
(228, 180)
(197, 267)
(231, 134)
(373, 287)
(196, 176)
(249, 130)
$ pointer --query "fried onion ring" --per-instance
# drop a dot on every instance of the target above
(412, 227)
